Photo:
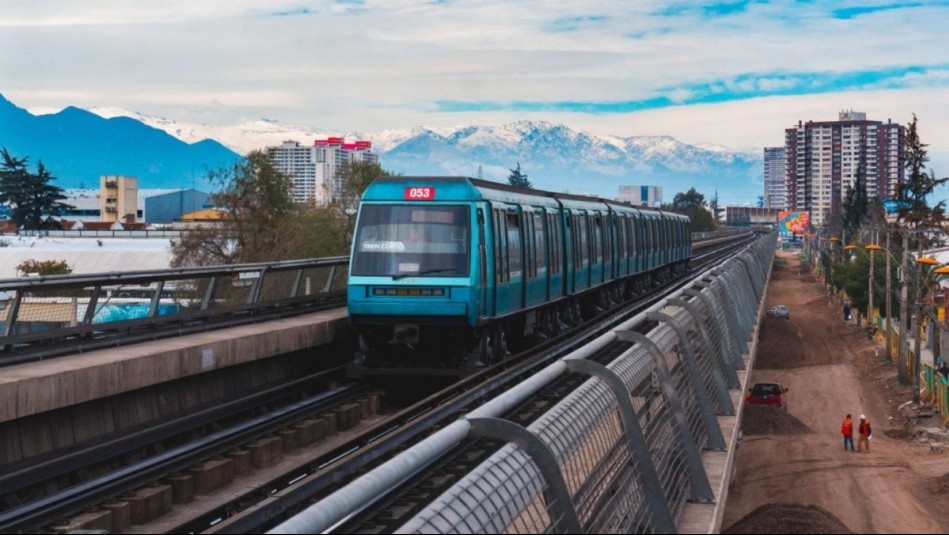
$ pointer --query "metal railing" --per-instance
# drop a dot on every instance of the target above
(45, 316)
(622, 454)
(42, 317)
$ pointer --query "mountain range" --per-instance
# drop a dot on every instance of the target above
(78, 146)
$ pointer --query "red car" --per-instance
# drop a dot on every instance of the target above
(771, 394)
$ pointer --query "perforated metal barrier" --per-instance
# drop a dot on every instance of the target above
(622, 453)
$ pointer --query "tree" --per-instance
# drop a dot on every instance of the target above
(33, 200)
(918, 185)
(263, 223)
(518, 179)
(44, 267)
(692, 203)
(856, 204)
(713, 206)
(354, 178)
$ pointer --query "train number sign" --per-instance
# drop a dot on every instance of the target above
(419, 194)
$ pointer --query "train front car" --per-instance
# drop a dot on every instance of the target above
(414, 274)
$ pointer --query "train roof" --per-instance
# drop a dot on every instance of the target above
(390, 188)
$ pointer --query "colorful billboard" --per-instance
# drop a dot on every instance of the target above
(793, 222)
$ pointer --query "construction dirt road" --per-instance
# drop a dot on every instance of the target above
(793, 475)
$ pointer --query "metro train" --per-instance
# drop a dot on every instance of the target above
(455, 272)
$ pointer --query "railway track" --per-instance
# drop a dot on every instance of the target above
(282, 495)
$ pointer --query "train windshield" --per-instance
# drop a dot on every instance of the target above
(412, 240)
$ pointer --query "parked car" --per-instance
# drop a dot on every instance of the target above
(768, 394)
(780, 311)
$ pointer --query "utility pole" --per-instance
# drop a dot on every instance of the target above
(917, 320)
(889, 351)
(870, 323)
(904, 302)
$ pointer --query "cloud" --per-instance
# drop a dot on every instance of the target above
(613, 67)
(856, 11)
(742, 87)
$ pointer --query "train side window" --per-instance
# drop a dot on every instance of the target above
(514, 249)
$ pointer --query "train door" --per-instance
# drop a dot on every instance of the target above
(570, 251)
(509, 261)
(581, 232)
(556, 255)
(622, 254)
(535, 246)
(485, 269)
(597, 249)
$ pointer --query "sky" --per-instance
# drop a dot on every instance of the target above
(730, 73)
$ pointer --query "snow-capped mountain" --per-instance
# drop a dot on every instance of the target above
(554, 156)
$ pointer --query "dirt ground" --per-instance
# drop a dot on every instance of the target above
(793, 475)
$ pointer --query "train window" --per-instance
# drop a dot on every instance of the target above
(394, 240)
(621, 236)
(540, 244)
(514, 249)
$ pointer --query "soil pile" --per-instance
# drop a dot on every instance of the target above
(771, 421)
(940, 485)
(788, 518)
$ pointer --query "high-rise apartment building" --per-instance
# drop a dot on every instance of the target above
(824, 158)
(775, 185)
(313, 168)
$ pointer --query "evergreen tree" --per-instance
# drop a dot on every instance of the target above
(32, 197)
(856, 204)
(519, 179)
(919, 185)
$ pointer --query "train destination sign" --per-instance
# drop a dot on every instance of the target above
(415, 193)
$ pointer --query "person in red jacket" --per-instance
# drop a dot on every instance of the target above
(863, 439)
(847, 431)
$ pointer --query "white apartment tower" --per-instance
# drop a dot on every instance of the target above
(650, 196)
(824, 159)
(313, 168)
(775, 186)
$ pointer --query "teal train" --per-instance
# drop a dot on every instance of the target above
(450, 274)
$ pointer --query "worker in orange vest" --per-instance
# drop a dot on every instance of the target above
(847, 431)
(863, 439)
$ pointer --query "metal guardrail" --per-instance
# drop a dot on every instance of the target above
(619, 455)
(43, 316)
